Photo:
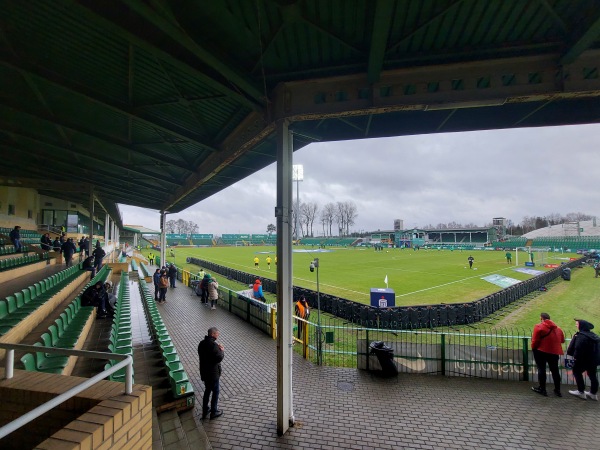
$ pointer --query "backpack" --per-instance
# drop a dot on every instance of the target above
(163, 282)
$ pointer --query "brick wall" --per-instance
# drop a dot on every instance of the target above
(101, 417)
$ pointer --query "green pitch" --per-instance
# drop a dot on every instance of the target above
(418, 277)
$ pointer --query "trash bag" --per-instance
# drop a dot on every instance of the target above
(385, 356)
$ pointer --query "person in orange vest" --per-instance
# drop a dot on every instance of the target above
(303, 312)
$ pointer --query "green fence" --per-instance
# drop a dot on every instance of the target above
(502, 354)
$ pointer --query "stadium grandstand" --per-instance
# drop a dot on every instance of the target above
(133, 103)
(241, 240)
(466, 238)
(571, 236)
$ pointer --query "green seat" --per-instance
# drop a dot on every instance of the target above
(28, 362)
(14, 312)
(43, 363)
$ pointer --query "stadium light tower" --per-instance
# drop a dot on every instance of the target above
(297, 176)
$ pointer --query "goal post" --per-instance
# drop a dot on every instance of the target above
(536, 255)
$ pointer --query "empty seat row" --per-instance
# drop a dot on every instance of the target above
(19, 305)
(121, 341)
(10, 249)
(180, 384)
(64, 333)
(9, 263)
(144, 269)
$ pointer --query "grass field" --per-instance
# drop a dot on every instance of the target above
(418, 278)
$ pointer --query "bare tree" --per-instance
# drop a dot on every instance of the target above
(271, 229)
(192, 227)
(328, 216)
(308, 214)
(170, 226)
(351, 214)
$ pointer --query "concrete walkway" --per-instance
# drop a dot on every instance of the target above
(350, 409)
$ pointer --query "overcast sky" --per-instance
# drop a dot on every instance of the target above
(427, 179)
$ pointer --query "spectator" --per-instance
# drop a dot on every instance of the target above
(585, 350)
(95, 295)
(201, 274)
(210, 354)
(46, 242)
(63, 237)
(98, 253)
(88, 264)
(163, 284)
(69, 249)
(81, 244)
(204, 288)
(303, 312)
(546, 343)
(86, 246)
(110, 297)
(257, 291)
(172, 275)
(15, 238)
(213, 292)
(156, 279)
(56, 245)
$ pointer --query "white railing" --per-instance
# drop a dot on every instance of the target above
(126, 361)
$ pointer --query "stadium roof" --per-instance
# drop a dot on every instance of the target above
(140, 229)
(162, 104)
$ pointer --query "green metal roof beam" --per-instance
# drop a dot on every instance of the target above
(102, 139)
(557, 19)
(381, 29)
(82, 153)
(94, 97)
(161, 54)
(179, 35)
(583, 43)
(423, 25)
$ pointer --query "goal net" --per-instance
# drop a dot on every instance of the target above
(536, 255)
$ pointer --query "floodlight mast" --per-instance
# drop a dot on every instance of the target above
(297, 176)
(315, 265)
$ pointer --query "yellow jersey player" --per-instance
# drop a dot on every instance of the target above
(269, 262)
(256, 262)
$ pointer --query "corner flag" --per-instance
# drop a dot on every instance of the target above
(386, 281)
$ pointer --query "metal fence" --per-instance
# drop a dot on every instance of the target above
(502, 354)
(420, 316)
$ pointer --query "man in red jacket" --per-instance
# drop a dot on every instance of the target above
(546, 344)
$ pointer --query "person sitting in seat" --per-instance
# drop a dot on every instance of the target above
(95, 295)
(88, 264)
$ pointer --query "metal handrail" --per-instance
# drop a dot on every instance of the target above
(126, 361)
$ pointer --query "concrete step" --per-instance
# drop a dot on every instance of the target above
(180, 431)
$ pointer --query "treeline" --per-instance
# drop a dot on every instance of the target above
(342, 214)
(181, 227)
(526, 225)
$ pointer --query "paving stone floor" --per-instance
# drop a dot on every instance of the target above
(350, 409)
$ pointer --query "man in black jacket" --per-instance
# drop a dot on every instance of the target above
(69, 250)
(585, 350)
(172, 274)
(210, 354)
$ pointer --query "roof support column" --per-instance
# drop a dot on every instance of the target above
(91, 209)
(163, 238)
(283, 213)
(106, 229)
